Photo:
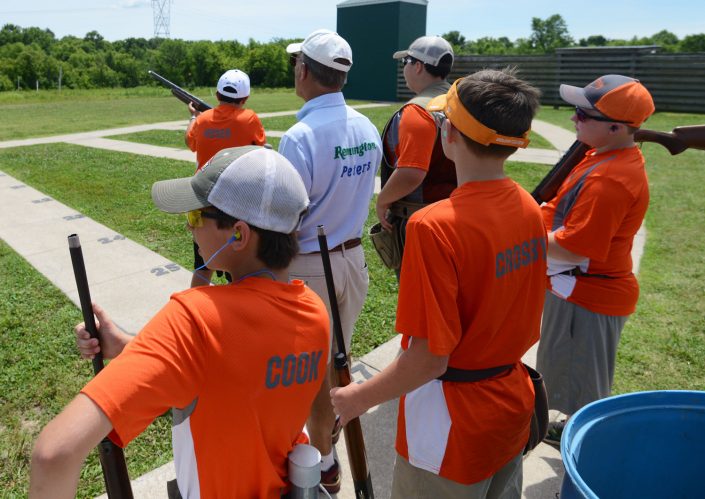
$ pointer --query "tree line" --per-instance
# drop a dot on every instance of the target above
(34, 56)
(31, 56)
(551, 33)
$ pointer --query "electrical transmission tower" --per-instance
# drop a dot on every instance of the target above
(161, 10)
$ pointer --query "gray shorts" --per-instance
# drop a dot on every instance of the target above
(576, 353)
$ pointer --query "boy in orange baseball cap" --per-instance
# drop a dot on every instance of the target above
(591, 223)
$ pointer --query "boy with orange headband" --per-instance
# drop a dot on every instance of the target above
(469, 307)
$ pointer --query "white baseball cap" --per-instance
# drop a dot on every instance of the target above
(234, 84)
(326, 47)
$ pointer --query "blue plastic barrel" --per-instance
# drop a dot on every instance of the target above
(638, 445)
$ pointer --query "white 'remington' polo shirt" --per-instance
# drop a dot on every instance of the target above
(337, 152)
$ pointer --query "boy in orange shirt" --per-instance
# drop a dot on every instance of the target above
(227, 125)
(591, 223)
(469, 307)
(414, 170)
(240, 363)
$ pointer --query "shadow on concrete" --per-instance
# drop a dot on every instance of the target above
(545, 489)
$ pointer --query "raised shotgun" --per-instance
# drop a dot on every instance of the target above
(112, 459)
(677, 141)
(354, 440)
(180, 93)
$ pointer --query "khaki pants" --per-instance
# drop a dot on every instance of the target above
(410, 481)
(351, 282)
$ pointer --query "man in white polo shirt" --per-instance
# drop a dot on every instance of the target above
(337, 151)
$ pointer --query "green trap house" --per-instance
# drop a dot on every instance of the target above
(375, 29)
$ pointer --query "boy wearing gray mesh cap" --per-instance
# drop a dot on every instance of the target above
(240, 363)
(415, 171)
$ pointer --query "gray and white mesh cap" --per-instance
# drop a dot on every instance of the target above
(251, 183)
(427, 49)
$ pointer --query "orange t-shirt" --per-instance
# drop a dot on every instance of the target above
(413, 144)
(472, 283)
(243, 362)
(417, 136)
(596, 213)
(222, 127)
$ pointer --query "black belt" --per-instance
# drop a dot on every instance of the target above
(349, 244)
(575, 272)
(471, 375)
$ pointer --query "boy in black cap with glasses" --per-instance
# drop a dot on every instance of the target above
(591, 223)
(240, 364)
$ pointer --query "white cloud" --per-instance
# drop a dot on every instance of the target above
(134, 4)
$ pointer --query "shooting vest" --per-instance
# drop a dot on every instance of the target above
(441, 178)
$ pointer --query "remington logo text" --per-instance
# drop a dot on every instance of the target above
(359, 150)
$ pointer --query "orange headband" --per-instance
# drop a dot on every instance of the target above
(468, 125)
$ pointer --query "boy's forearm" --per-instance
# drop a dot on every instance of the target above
(555, 250)
(63, 446)
(412, 369)
(54, 479)
(402, 182)
(415, 367)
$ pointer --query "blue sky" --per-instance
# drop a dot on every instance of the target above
(267, 19)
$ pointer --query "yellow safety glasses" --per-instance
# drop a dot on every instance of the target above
(195, 217)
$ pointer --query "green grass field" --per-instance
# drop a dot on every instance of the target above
(662, 346)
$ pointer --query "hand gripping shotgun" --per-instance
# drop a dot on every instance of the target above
(180, 93)
(112, 459)
(677, 141)
(354, 440)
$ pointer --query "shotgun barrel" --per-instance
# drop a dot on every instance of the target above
(677, 141)
(112, 458)
(354, 439)
(180, 93)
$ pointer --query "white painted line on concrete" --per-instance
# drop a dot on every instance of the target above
(137, 148)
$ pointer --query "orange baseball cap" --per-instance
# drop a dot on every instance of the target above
(619, 98)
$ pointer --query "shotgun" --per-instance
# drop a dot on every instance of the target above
(677, 141)
(112, 458)
(354, 440)
(180, 93)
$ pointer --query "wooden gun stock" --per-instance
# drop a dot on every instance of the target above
(548, 187)
(354, 441)
(112, 458)
(180, 93)
(677, 141)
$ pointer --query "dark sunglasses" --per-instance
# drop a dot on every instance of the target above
(293, 58)
(408, 60)
(583, 116)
